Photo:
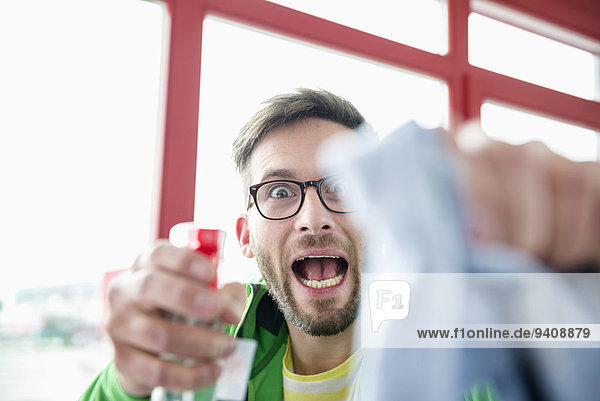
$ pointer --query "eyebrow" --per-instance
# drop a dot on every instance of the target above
(277, 173)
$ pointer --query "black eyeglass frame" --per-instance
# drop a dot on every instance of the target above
(253, 189)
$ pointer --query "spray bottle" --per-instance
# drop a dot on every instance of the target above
(210, 243)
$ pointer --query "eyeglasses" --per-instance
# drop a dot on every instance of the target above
(282, 199)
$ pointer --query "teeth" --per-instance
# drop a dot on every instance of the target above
(330, 282)
(316, 256)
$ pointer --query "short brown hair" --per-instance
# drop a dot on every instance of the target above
(287, 109)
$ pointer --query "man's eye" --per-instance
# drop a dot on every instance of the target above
(281, 192)
(338, 187)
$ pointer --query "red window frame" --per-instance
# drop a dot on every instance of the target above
(468, 86)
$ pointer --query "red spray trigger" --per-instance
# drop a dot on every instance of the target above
(207, 241)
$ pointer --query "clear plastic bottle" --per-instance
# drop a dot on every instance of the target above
(210, 243)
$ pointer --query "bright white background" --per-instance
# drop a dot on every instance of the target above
(79, 109)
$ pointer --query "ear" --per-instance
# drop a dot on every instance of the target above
(242, 231)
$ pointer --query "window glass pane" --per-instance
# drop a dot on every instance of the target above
(78, 103)
(511, 51)
(518, 126)
(242, 67)
(417, 23)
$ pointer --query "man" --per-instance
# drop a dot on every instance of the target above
(309, 254)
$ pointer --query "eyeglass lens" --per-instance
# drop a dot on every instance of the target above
(280, 199)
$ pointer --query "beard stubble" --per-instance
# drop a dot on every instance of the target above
(326, 320)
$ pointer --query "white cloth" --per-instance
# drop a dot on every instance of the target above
(415, 220)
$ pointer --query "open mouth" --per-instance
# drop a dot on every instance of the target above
(320, 271)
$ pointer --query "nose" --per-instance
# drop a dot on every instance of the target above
(313, 217)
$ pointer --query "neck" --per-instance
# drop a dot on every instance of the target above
(312, 355)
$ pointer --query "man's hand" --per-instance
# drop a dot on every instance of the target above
(170, 279)
(534, 199)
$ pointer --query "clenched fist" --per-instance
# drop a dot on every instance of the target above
(531, 198)
(166, 278)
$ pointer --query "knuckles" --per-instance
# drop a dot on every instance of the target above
(184, 296)
(155, 253)
(115, 289)
(124, 361)
(156, 335)
(201, 376)
(163, 254)
(120, 360)
(146, 281)
(111, 325)
(573, 179)
(215, 346)
(158, 373)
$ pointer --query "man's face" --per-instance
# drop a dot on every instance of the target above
(311, 261)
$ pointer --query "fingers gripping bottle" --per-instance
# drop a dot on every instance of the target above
(210, 243)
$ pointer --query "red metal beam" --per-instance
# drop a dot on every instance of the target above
(458, 89)
(581, 16)
(487, 85)
(175, 202)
